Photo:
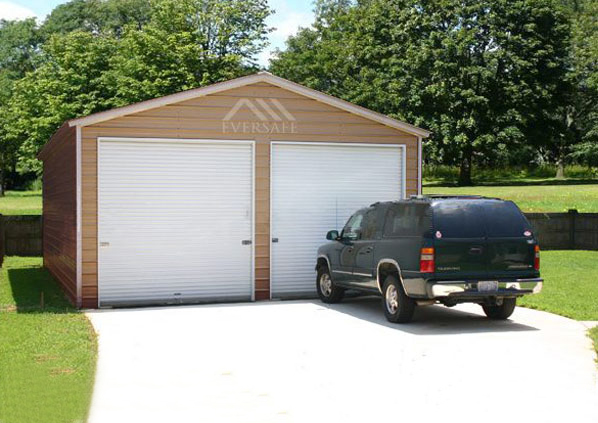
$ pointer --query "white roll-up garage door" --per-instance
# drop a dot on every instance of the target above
(174, 221)
(316, 188)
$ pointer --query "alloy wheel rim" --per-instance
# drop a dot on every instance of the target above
(392, 299)
(325, 285)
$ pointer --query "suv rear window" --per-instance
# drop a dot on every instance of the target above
(459, 219)
(504, 219)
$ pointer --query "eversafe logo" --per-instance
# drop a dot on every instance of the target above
(272, 118)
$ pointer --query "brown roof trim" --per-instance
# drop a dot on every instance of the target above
(243, 81)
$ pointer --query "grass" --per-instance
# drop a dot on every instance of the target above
(534, 198)
(570, 285)
(21, 202)
(47, 352)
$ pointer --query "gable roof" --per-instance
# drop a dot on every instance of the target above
(240, 82)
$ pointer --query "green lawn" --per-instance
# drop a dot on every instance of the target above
(570, 284)
(21, 202)
(534, 198)
(47, 355)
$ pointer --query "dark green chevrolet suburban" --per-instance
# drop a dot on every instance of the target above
(433, 249)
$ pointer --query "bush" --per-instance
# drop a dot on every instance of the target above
(450, 174)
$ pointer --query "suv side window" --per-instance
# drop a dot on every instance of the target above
(405, 220)
(352, 229)
(369, 224)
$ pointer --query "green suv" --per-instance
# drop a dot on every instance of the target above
(433, 249)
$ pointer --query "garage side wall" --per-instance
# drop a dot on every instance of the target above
(210, 117)
(60, 209)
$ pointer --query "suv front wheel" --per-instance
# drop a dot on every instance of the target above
(398, 307)
(327, 291)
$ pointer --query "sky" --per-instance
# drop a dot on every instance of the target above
(288, 17)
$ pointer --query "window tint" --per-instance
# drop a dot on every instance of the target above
(370, 223)
(459, 219)
(353, 227)
(405, 220)
(504, 220)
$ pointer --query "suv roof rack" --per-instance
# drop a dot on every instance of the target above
(460, 197)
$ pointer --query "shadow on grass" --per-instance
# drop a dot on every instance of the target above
(514, 183)
(34, 290)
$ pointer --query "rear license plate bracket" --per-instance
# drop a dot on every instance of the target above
(487, 286)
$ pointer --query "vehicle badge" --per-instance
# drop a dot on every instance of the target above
(438, 234)
(527, 233)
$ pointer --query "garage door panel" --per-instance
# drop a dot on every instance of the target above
(315, 188)
(172, 218)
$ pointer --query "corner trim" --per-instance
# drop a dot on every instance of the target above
(79, 299)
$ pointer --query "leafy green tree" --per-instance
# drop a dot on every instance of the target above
(188, 43)
(486, 78)
(580, 112)
(97, 16)
(19, 50)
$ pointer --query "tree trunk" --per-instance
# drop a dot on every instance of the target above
(465, 170)
(560, 168)
(1, 183)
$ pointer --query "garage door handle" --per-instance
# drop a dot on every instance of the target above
(274, 239)
(246, 242)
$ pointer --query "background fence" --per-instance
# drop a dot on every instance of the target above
(22, 235)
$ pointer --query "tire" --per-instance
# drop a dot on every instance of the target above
(501, 312)
(328, 292)
(398, 307)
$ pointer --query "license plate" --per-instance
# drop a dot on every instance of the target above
(488, 286)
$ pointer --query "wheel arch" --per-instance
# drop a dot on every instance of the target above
(386, 267)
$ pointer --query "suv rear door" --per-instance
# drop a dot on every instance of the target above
(510, 241)
(460, 245)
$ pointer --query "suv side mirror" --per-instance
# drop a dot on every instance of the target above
(332, 235)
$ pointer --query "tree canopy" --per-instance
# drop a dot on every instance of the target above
(488, 78)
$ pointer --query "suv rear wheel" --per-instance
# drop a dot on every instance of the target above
(327, 290)
(501, 312)
(398, 307)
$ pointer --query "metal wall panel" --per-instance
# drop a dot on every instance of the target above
(171, 220)
(316, 188)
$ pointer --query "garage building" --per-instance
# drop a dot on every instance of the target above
(221, 193)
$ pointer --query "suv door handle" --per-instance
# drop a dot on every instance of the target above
(366, 250)
(475, 250)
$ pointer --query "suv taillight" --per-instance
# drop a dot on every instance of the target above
(426, 260)
(537, 257)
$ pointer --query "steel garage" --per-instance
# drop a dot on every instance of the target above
(221, 193)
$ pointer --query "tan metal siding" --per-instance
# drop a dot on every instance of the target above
(201, 118)
(60, 209)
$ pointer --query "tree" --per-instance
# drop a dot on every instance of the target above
(482, 76)
(580, 113)
(19, 47)
(97, 16)
(187, 44)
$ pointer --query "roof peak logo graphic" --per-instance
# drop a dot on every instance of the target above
(272, 117)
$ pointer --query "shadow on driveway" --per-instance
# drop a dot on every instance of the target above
(428, 320)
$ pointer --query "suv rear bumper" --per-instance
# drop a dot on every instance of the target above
(469, 289)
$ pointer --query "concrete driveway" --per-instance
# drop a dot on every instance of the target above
(302, 361)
